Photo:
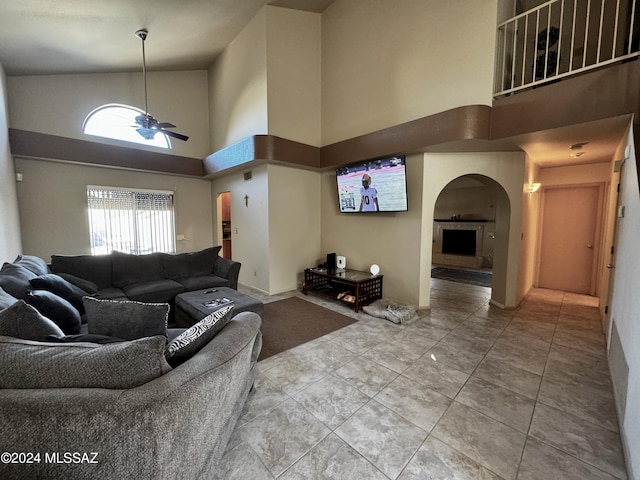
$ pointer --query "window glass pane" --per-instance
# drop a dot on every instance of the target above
(130, 221)
(118, 122)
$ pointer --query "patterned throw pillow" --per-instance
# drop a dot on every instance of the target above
(194, 338)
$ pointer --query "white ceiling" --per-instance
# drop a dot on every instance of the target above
(82, 36)
(39, 37)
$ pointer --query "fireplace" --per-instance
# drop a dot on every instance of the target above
(459, 242)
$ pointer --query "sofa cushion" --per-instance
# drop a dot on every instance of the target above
(58, 285)
(81, 365)
(14, 279)
(110, 293)
(85, 337)
(203, 281)
(32, 263)
(182, 265)
(6, 300)
(153, 292)
(56, 308)
(187, 344)
(86, 285)
(128, 319)
(95, 268)
(129, 269)
(23, 321)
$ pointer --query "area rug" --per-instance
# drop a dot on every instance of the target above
(482, 279)
(294, 321)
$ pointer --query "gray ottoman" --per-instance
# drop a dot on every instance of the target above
(191, 306)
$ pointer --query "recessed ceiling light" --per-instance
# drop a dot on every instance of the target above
(578, 146)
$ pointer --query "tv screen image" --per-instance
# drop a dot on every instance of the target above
(373, 186)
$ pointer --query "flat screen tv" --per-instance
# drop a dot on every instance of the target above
(373, 186)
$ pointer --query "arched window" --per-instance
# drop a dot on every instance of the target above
(118, 122)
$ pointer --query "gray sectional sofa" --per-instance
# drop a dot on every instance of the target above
(92, 407)
(154, 277)
(175, 426)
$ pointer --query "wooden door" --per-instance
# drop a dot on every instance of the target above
(569, 239)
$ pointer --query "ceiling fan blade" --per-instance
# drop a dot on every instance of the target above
(166, 125)
(179, 136)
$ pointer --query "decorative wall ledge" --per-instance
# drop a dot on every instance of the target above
(605, 94)
(259, 148)
(52, 147)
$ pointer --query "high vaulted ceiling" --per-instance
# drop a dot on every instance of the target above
(40, 37)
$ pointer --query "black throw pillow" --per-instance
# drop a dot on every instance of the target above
(86, 285)
(32, 263)
(14, 279)
(58, 285)
(56, 308)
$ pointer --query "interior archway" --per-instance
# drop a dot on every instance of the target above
(471, 219)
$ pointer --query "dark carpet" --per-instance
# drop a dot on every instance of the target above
(482, 279)
(294, 321)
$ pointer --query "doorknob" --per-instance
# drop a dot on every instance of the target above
(589, 245)
(610, 265)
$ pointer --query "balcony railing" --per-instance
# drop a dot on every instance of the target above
(564, 37)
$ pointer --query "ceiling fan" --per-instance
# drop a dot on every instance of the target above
(146, 125)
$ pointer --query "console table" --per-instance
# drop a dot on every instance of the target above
(362, 287)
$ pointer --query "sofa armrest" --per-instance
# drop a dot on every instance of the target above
(228, 269)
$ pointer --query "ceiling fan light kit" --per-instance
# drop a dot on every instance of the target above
(146, 125)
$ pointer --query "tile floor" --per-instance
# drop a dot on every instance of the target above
(464, 391)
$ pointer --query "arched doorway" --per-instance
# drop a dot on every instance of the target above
(504, 170)
(471, 220)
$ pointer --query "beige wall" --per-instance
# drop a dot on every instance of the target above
(507, 169)
(385, 63)
(401, 242)
(10, 240)
(238, 87)
(467, 198)
(294, 225)
(391, 240)
(530, 220)
(249, 223)
(58, 104)
(575, 175)
(53, 205)
(294, 76)
(267, 81)
(275, 234)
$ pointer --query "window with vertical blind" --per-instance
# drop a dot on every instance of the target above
(130, 221)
